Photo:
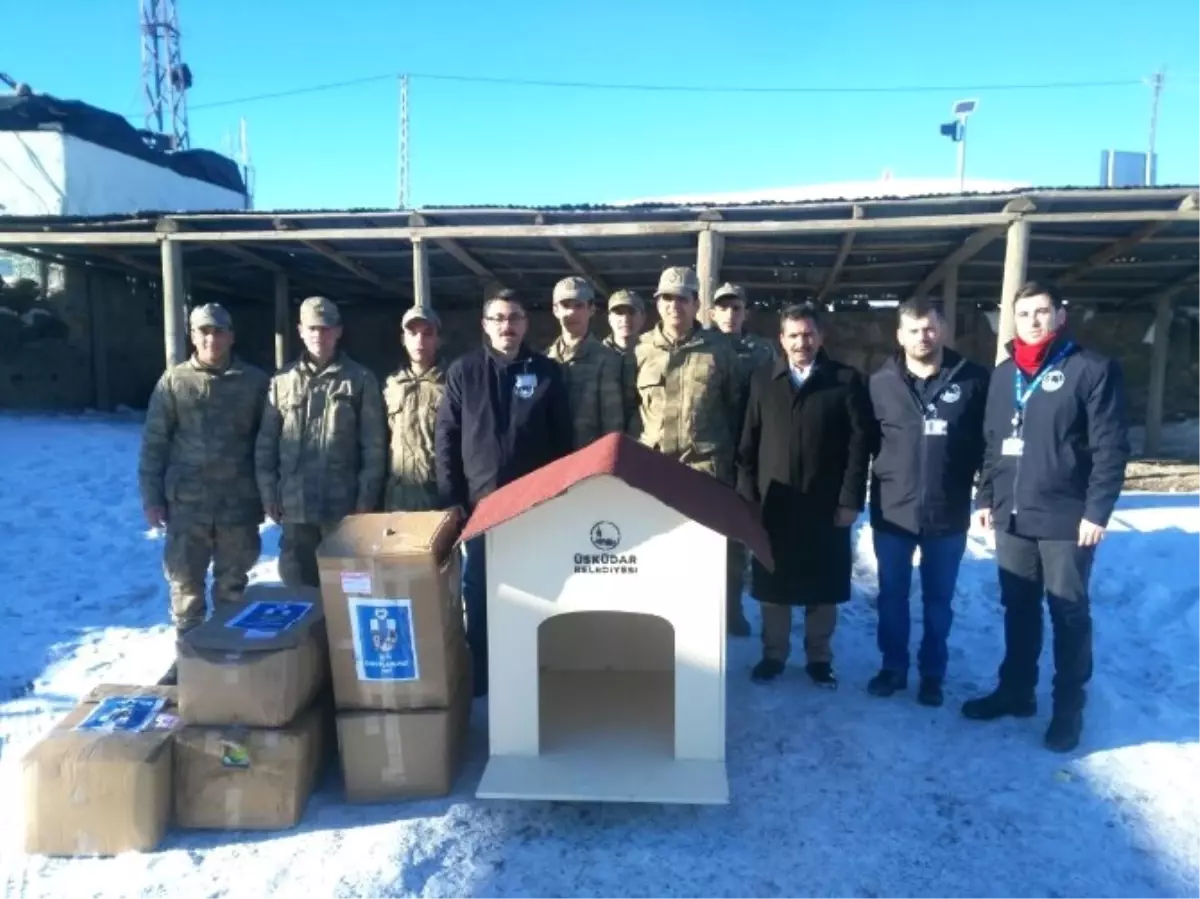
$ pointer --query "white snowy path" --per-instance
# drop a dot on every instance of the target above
(833, 793)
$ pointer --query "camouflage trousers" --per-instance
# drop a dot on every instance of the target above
(232, 549)
(736, 560)
(298, 553)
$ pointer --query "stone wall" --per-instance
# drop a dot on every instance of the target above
(55, 368)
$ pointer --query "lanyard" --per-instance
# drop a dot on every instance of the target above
(1022, 393)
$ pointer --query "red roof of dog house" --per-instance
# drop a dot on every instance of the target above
(693, 494)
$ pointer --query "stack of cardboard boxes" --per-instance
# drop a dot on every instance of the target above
(239, 742)
(401, 669)
(249, 682)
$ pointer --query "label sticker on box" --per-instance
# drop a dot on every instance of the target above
(234, 755)
(263, 620)
(123, 714)
(384, 646)
(356, 582)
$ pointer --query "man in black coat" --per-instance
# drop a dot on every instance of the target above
(505, 414)
(802, 461)
(928, 403)
(1056, 448)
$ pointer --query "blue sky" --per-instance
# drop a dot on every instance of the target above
(490, 143)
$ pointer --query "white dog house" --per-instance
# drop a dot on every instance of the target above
(606, 627)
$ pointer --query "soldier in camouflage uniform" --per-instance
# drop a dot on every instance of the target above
(411, 396)
(196, 468)
(593, 372)
(626, 318)
(729, 318)
(322, 448)
(688, 398)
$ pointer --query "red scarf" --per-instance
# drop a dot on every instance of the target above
(1031, 356)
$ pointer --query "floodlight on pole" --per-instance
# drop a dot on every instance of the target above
(957, 132)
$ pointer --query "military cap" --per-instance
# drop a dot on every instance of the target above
(729, 291)
(626, 298)
(678, 280)
(421, 313)
(211, 315)
(574, 288)
(319, 311)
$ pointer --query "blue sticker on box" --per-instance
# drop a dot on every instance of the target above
(384, 646)
(123, 714)
(263, 620)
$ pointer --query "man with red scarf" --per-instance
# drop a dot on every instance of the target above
(1056, 447)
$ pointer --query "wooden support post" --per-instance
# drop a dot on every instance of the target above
(950, 303)
(1163, 313)
(422, 288)
(1016, 260)
(282, 322)
(709, 251)
(174, 296)
(97, 300)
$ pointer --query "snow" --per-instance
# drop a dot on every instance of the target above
(841, 190)
(834, 793)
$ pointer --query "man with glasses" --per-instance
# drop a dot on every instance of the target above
(688, 399)
(593, 372)
(506, 413)
(196, 468)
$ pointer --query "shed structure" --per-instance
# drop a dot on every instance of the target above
(606, 627)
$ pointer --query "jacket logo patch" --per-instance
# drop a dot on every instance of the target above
(524, 385)
(1053, 381)
(952, 394)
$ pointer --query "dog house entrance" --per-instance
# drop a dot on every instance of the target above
(606, 688)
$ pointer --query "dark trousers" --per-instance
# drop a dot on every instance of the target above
(474, 592)
(1059, 569)
(940, 559)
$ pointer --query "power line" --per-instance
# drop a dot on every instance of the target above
(671, 88)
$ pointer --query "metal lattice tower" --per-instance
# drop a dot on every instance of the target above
(165, 76)
(403, 179)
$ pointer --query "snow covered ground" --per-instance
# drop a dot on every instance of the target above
(834, 793)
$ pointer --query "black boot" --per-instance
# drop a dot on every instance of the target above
(999, 703)
(930, 692)
(821, 674)
(1065, 728)
(887, 682)
(766, 670)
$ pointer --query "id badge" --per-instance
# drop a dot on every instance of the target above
(1012, 446)
(524, 385)
(935, 427)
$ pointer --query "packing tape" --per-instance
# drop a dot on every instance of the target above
(371, 726)
(233, 806)
(232, 676)
(85, 845)
(212, 743)
(270, 739)
(393, 772)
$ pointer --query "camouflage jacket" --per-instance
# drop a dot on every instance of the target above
(688, 400)
(593, 376)
(629, 396)
(412, 401)
(322, 447)
(197, 454)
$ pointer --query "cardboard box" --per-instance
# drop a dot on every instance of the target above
(94, 788)
(235, 778)
(393, 609)
(257, 663)
(403, 755)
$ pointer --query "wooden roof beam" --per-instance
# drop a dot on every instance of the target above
(967, 249)
(840, 260)
(1118, 248)
(250, 257)
(459, 252)
(578, 264)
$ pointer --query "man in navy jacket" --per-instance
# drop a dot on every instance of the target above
(1056, 449)
(504, 415)
(928, 403)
